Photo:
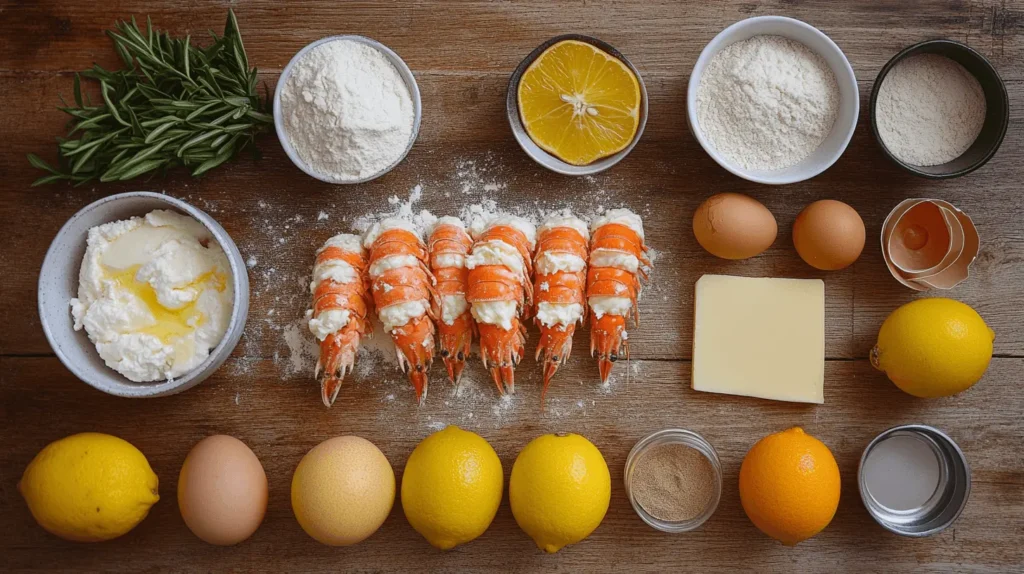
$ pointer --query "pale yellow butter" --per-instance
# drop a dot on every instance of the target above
(760, 337)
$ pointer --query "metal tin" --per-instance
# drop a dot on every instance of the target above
(944, 505)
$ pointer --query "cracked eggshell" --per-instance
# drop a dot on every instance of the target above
(929, 244)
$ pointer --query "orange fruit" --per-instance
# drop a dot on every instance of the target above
(789, 485)
(579, 103)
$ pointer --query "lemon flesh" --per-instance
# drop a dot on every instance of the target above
(451, 487)
(579, 103)
(933, 347)
(89, 487)
(559, 490)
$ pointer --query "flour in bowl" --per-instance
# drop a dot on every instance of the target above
(767, 102)
(347, 111)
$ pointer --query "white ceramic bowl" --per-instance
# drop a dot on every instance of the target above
(849, 105)
(403, 70)
(58, 283)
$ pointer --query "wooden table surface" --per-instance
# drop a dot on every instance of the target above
(462, 54)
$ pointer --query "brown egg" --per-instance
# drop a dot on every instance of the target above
(734, 226)
(222, 490)
(828, 235)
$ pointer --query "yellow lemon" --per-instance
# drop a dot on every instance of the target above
(933, 347)
(789, 485)
(579, 103)
(342, 490)
(559, 490)
(89, 487)
(452, 487)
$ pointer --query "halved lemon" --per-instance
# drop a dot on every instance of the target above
(579, 103)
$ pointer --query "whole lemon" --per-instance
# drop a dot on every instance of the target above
(559, 490)
(789, 485)
(452, 487)
(933, 347)
(89, 487)
(342, 490)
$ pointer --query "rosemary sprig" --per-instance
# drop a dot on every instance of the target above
(174, 104)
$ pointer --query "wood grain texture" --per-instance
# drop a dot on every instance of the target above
(462, 53)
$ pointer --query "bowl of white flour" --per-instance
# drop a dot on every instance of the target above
(773, 100)
(111, 368)
(347, 109)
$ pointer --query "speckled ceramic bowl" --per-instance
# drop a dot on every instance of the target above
(58, 284)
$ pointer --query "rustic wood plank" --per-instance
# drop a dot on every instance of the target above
(281, 418)
(493, 36)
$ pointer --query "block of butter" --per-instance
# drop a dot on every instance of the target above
(760, 337)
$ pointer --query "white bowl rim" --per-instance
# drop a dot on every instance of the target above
(846, 75)
(403, 70)
(236, 324)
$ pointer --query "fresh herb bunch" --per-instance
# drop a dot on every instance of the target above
(174, 104)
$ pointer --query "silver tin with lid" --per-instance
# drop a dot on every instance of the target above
(883, 477)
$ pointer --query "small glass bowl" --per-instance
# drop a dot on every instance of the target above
(673, 436)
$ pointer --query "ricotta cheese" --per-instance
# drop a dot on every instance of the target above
(553, 314)
(328, 322)
(452, 307)
(154, 295)
(602, 305)
(399, 314)
(614, 258)
(335, 270)
(443, 260)
(388, 224)
(496, 252)
(622, 217)
(551, 262)
(345, 241)
(564, 220)
(391, 262)
(498, 313)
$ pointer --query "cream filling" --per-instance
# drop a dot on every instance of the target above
(564, 219)
(447, 220)
(496, 252)
(378, 267)
(443, 260)
(399, 314)
(334, 270)
(452, 307)
(602, 305)
(550, 262)
(498, 313)
(525, 226)
(388, 224)
(616, 259)
(622, 217)
(346, 242)
(328, 323)
(552, 314)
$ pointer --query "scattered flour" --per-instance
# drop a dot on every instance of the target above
(281, 296)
